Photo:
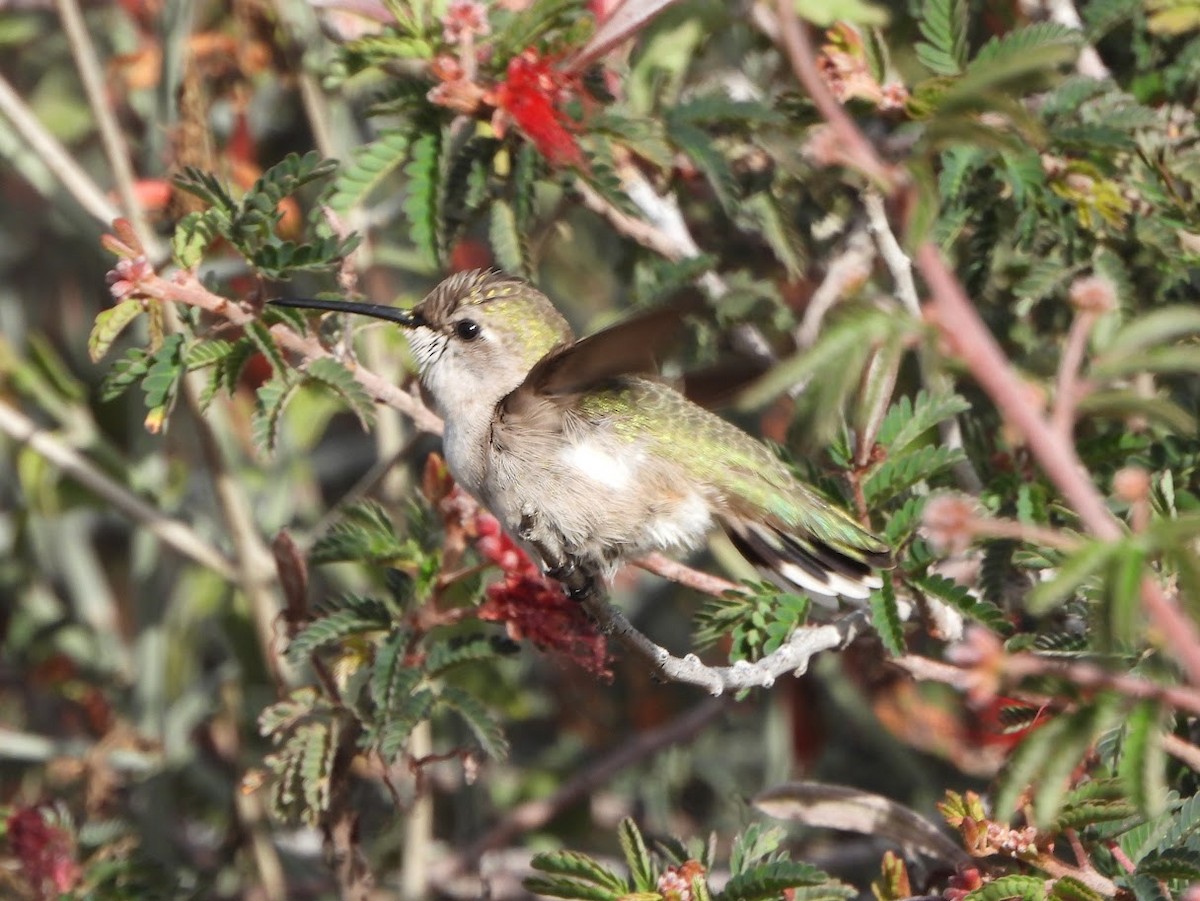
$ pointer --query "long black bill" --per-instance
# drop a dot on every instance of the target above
(406, 318)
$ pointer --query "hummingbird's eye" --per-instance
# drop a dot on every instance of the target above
(467, 329)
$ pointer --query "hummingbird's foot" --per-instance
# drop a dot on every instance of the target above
(578, 580)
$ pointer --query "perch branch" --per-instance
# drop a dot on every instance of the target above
(793, 657)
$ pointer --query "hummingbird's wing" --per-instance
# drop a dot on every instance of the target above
(786, 528)
(634, 346)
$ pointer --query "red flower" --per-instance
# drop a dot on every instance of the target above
(46, 852)
(533, 607)
(531, 96)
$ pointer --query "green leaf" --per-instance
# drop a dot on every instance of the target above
(393, 733)
(207, 187)
(1143, 762)
(1076, 569)
(333, 375)
(766, 882)
(757, 843)
(826, 12)
(130, 368)
(109, 325)
(1161, 360)
(898, 474)
(273, 398)
(478, 719)
(446, 655)
(709, 160)
(1157, 327)
(944, 26)
(569, 888)
(505, 238)
(1029, 39)
(637, 856)
(885, 617)
(958, 597)
(908, 419)
(1126, 403)
(421, 205)
(166, 368)
(392, 678)
(763, 212)
(370, 167)
(206, 352)
(842, 346)
(578, 866)
(195, 233)
(365, 532)
(257, 332)
(359, 615)
(1007, 888)
(1181, 864)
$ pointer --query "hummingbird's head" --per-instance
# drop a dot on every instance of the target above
(475, 336)
(478, 333)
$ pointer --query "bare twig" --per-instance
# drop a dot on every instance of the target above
(644, 233)
(845, 272)
(626, 753)
(685, 575)
(116, 150)
(793, 657)
(1067, 385)
(1015, 667)
(1181, 750)
(78, 183)
(900, 266)
(172, 532)
(856, 148)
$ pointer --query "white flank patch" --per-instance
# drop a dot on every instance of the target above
(593, 460)
(685, 524)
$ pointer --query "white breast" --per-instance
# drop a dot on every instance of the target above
(594, 461)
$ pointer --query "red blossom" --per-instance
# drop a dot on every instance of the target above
(45, 851)
(531, 95)
(533, 607)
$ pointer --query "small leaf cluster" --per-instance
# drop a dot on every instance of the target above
(385, 672)
(672, 870)
(251, 223)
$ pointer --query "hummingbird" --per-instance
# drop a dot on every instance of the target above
(586, 456)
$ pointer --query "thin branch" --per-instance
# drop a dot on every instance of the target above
(626, 753)
(1181, 750)
(171, 532)
(845, 272)
(857, 149)
(684, 575)
(644, 233)
(1015, 667)
(1067, 386)
(116, 150)
(900, 266)
(793, 657)
(58, 160)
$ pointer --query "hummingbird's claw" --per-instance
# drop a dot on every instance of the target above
(578, 581)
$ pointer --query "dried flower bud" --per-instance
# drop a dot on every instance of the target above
(1093, 294)
(948, 522)
(1131, 484)
(465, 19)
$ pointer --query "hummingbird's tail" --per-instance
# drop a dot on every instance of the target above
(806, 562)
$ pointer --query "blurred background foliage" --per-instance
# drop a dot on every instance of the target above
(144, 686)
